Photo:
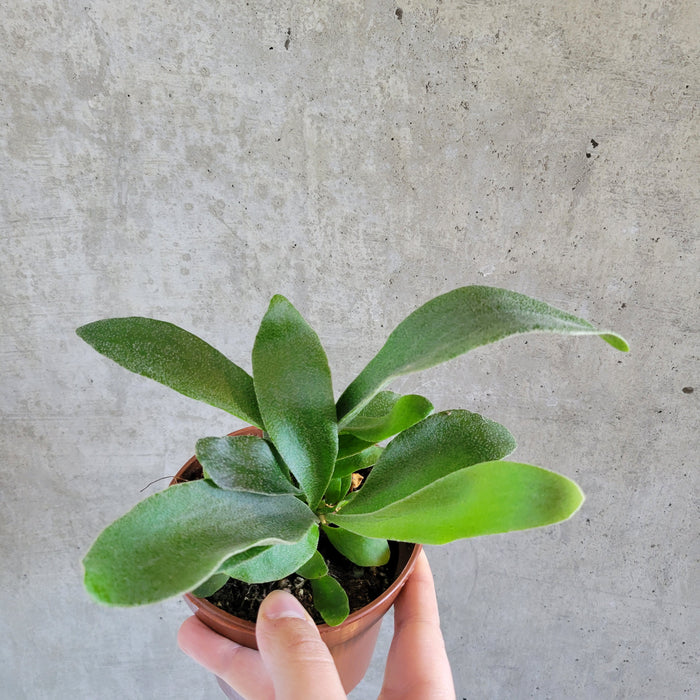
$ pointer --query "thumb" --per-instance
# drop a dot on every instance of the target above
(299, 663)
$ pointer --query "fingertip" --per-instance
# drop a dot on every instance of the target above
(292, 650)
(422, 567)
(188, 632)
(281, 604)
(422, 576)
(418, 598)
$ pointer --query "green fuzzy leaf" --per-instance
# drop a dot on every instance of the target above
(363, 551)
(337, 488)
(242, 463)
(174, 357)
(452, 324)
(442, 443)
(293, 386)
(362, 460)
(210, 586)
(330, 600)
(240, 557)
(349, 445)
(483, 499)
(274, 563)
(315, 567)
(176, 539)
(387, 414)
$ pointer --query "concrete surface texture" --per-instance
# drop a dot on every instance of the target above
(186, 161)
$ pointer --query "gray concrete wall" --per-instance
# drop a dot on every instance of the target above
(188, 160)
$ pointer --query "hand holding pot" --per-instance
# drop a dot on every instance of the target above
(294, 664)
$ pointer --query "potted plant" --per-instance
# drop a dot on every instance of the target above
(256, 504)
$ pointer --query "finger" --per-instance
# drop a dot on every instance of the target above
(299, 663)
(240, 667)
(417, 665)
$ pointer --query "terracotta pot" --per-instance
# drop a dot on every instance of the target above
(351, 643)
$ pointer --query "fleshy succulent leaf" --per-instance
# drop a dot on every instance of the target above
(242, 463)
(387, 414)
(174, 357)
(361, 460)
(363, 551)
(330, 600)
(439, 444)
(337, 488)
(210, 586)
(245, 555)
(483, 499)
(174, 540)
(315, 567)
(273, 563)
(452, 324)
(293, 385)
(349, 445)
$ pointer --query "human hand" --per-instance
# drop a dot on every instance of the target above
(293, 663)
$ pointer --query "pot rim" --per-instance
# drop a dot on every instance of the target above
(354, 617)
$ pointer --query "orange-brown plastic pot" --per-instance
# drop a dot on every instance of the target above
(351, 643)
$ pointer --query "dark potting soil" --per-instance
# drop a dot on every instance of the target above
(362, 584)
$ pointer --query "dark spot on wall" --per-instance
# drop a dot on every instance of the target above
(594, 143)
(688, 390)
(288, 40)
(399, 13)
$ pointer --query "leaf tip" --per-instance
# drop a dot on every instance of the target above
(571, 498)
(617, 341)
(97, 591)
(578, 499)
(279, 300)
(83, 331)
